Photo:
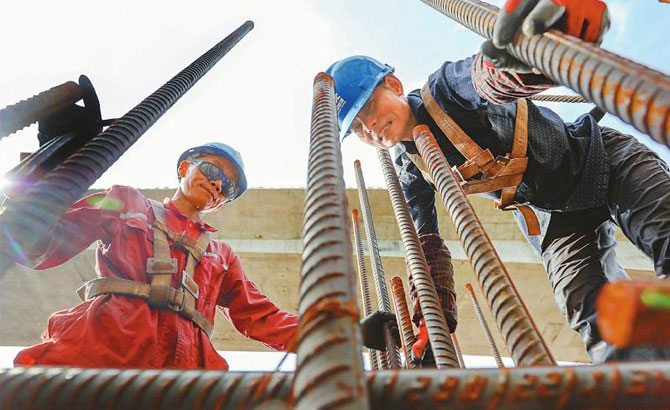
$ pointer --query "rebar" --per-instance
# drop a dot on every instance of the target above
(559, 98)
(329, 371)
(457, 349)
(28, 217)
(404, 319)
(633, 385)
(637, 94)
(512, 317)
(373, 355)
(429, 302)
(17, 116)
(392, 351)
(485, 326)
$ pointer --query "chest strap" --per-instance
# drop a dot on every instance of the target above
(502, 173)
(160, 268)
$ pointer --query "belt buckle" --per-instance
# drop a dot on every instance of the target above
(189, 284)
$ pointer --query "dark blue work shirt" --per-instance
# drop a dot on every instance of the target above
(567, 164)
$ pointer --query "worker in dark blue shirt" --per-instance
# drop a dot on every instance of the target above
(570, 184)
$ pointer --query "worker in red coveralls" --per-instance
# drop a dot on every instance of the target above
(160, 277)
(567, 183)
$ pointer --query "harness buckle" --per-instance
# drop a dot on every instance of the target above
(189, 284)
(175, 293)
(496, 167)
(157, 266)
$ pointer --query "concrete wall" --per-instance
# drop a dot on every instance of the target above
(264, 228)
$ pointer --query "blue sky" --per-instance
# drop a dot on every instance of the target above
(258, 98)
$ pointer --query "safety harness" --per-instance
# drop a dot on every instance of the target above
(160, 268)
(502, 173)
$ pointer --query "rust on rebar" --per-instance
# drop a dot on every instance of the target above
(392, 352)
(429, 302)
(637, 94)
(329, 370)
(404, 319)
(374, 355)
(485, 326)
(524, 341)
(457, 349)
(559, 98)
(43, 105)
(638, 385)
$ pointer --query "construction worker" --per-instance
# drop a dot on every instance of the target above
(160, 277)
(568, 183)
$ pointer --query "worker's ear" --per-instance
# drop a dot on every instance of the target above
(394, 84)
(183, 167)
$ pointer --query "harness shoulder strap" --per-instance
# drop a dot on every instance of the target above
(162, 266)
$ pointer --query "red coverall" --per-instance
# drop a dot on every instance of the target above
(123, 331)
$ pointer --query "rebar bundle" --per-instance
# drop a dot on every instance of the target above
(375, 356)
(24, 220)
(329, 371)
(633, 92)
(392, 354)
(513, 319)
(429, 302)
(635, 385)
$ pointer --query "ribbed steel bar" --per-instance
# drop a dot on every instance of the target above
(25, 219)
(17, 116)
(329, 371)
(392, 351)
(374, 355)
(485, 326)
(633, 385)
(560, 98)
(457, 349)
(633, 92)
(512, 317)
(436, 324)
(404, 319)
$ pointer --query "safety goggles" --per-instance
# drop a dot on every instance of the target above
(214, 173)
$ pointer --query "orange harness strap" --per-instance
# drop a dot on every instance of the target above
(501, 173)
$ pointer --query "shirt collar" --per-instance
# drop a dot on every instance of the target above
(169, 204)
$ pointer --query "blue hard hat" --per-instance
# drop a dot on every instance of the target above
(220, 150)
(355, 80)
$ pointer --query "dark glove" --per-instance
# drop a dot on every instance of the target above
(421, 353)
(585, 19)
(372, 327)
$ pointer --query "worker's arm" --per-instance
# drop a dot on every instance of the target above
(420, 196)
(252, 313)
(89, 219)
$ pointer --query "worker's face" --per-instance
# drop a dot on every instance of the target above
(383, 120)
(204, 194)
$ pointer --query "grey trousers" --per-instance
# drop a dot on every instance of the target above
(577, 248)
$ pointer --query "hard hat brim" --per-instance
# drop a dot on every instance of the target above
(360, 102)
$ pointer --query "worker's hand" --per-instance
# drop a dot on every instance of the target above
(585, 19)
(372, 327)
(421, 353)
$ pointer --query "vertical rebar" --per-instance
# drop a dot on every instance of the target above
(485, 326)
(376, 362)
(26, 218)
(524, 341)
(329, 371)
(638, 95)
(429, 302)
(392, 351)
(404, 319)
(457, 348)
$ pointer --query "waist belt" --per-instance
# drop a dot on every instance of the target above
(177, 299)
(160, 268)
(500, 173)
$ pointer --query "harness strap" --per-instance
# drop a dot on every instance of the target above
(162, 266)
(501, 173)
(178, 300)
